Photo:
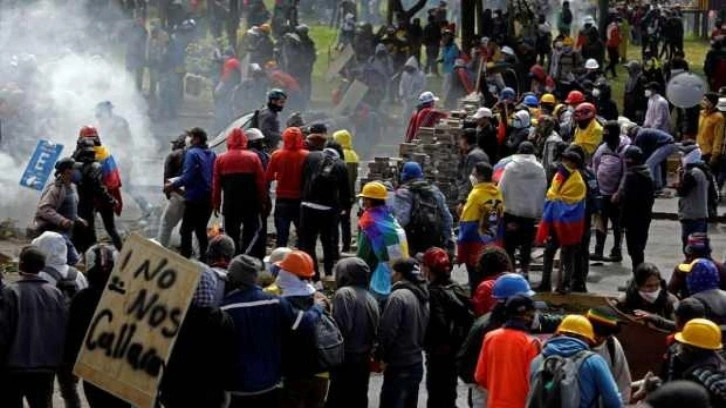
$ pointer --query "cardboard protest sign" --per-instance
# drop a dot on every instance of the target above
(338, 63)
(137, 320)
(355, 93)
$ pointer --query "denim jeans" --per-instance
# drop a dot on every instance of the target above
(400, 386)
(286, 212)
(659, 156)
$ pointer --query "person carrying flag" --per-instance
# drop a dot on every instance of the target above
(563, 219)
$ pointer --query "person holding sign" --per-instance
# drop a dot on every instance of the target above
(32, 331)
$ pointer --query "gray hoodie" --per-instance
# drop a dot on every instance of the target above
(355, 310)
(403, 325)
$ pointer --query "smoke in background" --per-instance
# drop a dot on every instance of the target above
(58, 62)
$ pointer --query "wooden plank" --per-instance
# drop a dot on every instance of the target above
(339, 63)
(355, 93)
(137, 320)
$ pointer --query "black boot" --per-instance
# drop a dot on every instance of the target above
(616, 255)
(599, 246)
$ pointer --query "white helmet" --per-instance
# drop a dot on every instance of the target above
(521, 120)
(427, 97)
(508, 50)
(592, 64)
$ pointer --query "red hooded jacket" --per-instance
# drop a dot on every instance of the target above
(237, 172)
(286, 165)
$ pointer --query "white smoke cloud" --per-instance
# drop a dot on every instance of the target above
(78, 65)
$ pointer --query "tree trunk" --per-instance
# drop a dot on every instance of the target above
(396, 7)
(233, 23)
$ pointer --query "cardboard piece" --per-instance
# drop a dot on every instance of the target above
(133, 330)
(355, 93)
(41, 164)
(337, 64)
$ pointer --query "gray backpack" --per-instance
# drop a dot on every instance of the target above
(556, 383)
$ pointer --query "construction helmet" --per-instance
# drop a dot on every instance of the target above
(298, 263)
(276, 94)
(374, 190)
(507, 94)
(88, 131)
(511, 284)
(531, 101)
(592, 64)
(548, 98)
(585, 111)
(579, 325)
(575, 97)
(701, 333)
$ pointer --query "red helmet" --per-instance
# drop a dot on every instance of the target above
(538, 72)
(575, 97)
(585, 111)
(88, 131)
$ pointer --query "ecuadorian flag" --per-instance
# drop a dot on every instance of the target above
(111, 174)
(480, 223)
(564, 209)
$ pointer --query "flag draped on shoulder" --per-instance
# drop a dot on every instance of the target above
(387, 240)
(111, 175)
(564, 209)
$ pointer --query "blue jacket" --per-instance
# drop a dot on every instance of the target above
(196, 175)
(449, 54)
(595, 378)
(261, 321)
(651, 139)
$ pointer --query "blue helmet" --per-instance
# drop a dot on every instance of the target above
(531, 101)
(511, 284)
(507, 93)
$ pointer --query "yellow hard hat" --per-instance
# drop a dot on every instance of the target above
(548, 98)
(701, 333)
(374, 190)
(577, 324)
(266, 28)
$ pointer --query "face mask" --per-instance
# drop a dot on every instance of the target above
(558, 44)
(473, 180)
(188, 141)
(596, 92)
(649, 297)
(648, 93)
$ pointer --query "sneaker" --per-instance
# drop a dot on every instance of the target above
(615, 256)
(596, 257)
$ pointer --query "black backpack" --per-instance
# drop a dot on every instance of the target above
(567, 16)
(425, 227)
(324, 178)
(461, 316)
(67, 285)
(329, 345)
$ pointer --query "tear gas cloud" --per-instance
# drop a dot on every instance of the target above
(58, 63)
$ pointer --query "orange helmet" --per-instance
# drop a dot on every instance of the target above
(299, 263)
(575, 97)
(585, 111)
(88, 131)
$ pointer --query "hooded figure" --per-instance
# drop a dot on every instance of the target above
(634, 101)
(357, 314)
(285, 167)
(413, 82)
(56, 266)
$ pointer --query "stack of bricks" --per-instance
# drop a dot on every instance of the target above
(382, 169)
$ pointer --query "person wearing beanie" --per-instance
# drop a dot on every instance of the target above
(352, 161)
(205, 327)
(261, 322)
(301, 374)
(507, 353)
(357, 314)
(523, 185)
(450, 320)
(658, 113)
(711, 131)
(480, 221)
(325, 194)
(421, 209)
(286, 165)
(697, 246)
(401, 335)
(636, 200)
(606, 326)
(220, 253)
(317, 137)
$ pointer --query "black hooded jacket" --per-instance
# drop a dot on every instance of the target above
(403, 325)
(637, 197)
(355, 310)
